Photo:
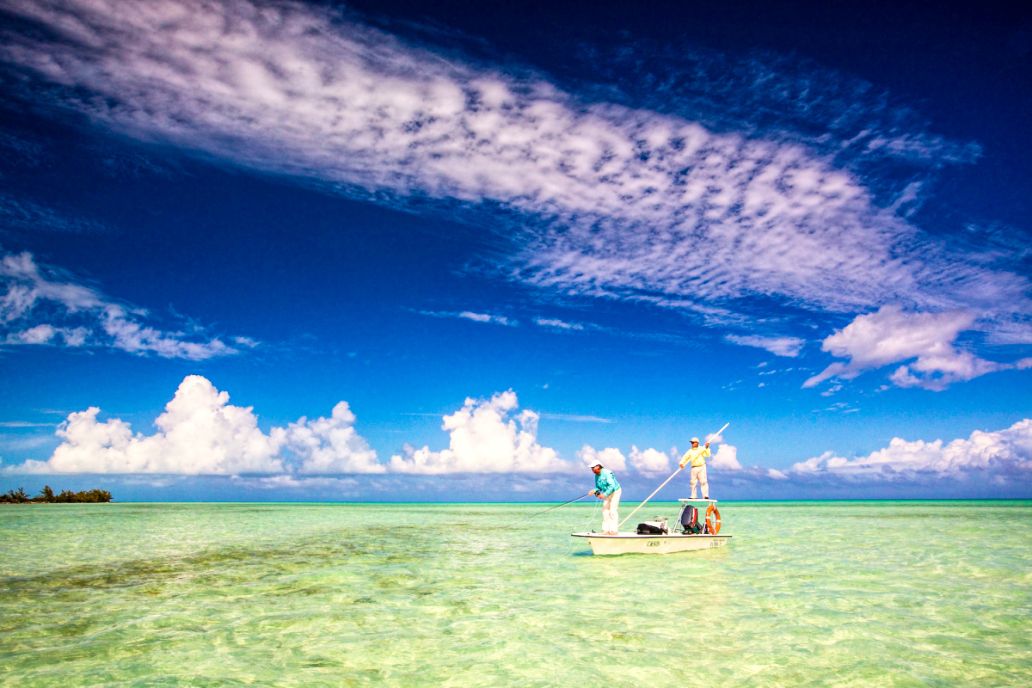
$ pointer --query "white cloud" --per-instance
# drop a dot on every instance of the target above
(575, 418)
(1003, 450)
(649, 461)
(45, 334)
(485, 318)
(726, 458)
(91, 318)
(629, 203)
(332, 445)
(557, 324)
(892, 335)
(485, 436)
(609, 457)
(200, 432)
(788, 347)
(714, 438)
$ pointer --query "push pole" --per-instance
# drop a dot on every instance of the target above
(679, 469)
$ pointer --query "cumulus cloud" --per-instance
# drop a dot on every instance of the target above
(485, 436)
(788, 347)
(649, 461)
(609, 457)
(891, 335)
(627, 202)
(726, 458)
(331, 445)
(201, 433)
(34, 291)
(1008, 450)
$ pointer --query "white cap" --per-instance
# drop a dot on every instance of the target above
(592, 464)
(695, 439)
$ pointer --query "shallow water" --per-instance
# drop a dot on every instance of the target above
(807, 593)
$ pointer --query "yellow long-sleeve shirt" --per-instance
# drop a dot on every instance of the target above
(696, 457)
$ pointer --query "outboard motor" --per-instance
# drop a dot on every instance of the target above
(689, 520)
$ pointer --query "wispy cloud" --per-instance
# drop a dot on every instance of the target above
(34, 293)
(575, 418)
(22, 443)
(556, 324)
(487, 318)
(788, 347)
(627, 201)
(25, 215)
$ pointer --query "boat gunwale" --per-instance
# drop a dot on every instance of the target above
(635, 536)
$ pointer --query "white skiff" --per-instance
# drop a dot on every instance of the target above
(669, 542)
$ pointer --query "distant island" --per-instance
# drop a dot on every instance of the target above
(47, 496)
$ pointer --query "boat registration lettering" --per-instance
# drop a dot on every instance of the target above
(652, 543)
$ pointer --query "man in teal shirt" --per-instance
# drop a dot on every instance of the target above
(608, 490)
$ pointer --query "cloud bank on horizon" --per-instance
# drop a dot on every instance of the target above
(201, 434)
(612, 200)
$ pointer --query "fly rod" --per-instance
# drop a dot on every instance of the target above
(571, 501)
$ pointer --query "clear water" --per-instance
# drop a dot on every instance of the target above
(806, 594)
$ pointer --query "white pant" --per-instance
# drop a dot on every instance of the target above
(699, 476)
(610, 512)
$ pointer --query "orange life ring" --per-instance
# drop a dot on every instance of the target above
(713, 519)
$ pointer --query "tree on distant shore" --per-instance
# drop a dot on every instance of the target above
(47, 496)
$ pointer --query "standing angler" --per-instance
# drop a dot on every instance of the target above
(608, 490)
(697, 456)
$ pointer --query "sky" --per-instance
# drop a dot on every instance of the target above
(402, 251)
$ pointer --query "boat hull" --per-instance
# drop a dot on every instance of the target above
(631, 543)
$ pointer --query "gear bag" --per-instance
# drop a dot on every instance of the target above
(652, 528)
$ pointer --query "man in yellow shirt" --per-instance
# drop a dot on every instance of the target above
(696, 456)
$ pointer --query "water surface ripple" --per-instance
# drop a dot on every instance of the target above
(806, 594)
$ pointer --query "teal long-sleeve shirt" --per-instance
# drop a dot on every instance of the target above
(605, 482)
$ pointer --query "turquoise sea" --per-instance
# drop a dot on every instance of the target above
(806, 594)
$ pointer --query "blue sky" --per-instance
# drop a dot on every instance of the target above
(391, 251)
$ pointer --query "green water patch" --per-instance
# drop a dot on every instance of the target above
(396, 595)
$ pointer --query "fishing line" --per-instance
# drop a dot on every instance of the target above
(594, 511)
